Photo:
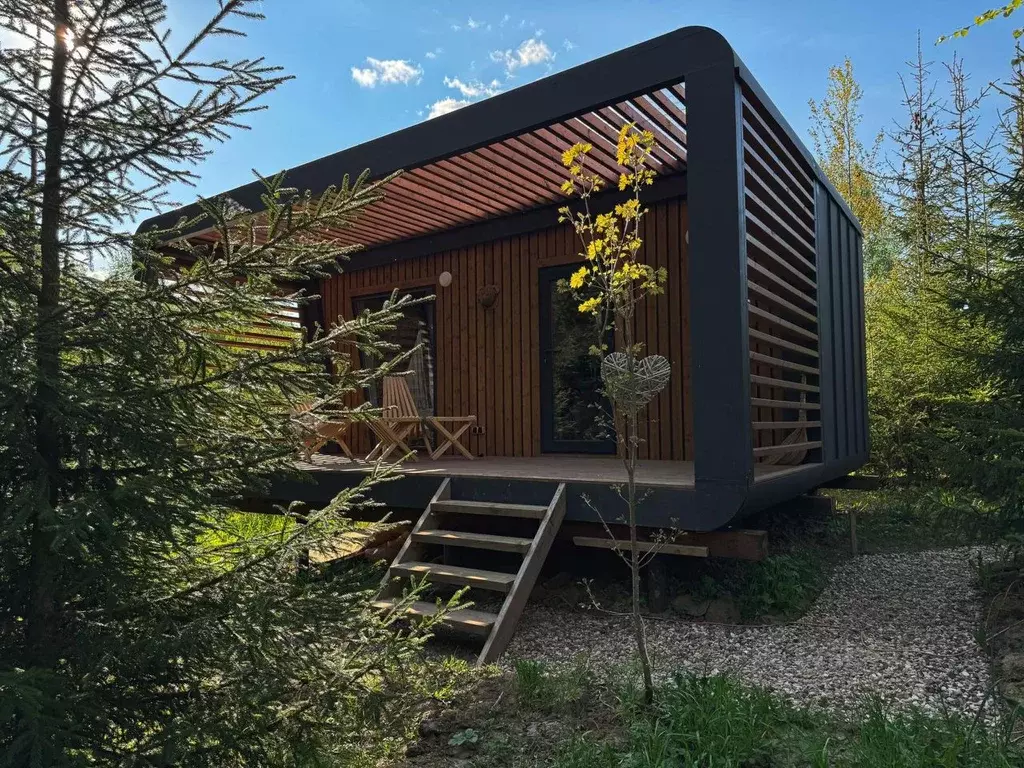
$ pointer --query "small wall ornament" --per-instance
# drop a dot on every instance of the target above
(487, 295)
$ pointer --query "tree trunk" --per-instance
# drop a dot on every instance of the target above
(41, 611)
(638, 621)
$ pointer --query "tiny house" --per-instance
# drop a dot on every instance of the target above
(762, 318)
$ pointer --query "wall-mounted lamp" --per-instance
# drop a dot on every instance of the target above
(444, 279)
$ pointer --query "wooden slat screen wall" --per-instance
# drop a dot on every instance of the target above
(487, 360)
(278, 328)
(781, 292)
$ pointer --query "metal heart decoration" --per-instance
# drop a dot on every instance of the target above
(650, 375)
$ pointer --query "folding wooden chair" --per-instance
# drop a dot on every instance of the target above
(319, 429)
(400, 422)
(402, 418)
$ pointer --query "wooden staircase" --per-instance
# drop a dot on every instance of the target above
(439, 525)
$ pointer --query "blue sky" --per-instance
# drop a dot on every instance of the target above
(363, 68)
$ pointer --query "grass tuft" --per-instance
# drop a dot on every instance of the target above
(551, 691)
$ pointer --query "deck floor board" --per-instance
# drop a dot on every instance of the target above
(572, 469)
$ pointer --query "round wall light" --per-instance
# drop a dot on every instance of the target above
(444, 279)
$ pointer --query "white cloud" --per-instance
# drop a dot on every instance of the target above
(529, 53)
(568, 44)
(505, 20)
(444, 106)
(386, 72)
(456, 27)
(538, 33)
(434, 53)
(474, 89)
(473, 24)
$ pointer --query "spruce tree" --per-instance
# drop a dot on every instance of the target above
(919, 182)
(135, 627)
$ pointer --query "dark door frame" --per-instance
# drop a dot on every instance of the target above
(546, 277)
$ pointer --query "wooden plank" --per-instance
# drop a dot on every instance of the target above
(783, 384)
(515, 406)
(488, 376)
(801, 208)
(755, 136)
(533, 561)
(534, 310)
(501, 331)
(445, 342)
(495, 581)
(781, 302)
(794, 405)
(780, 363)
(474, 540)
(769, 450)
(389, 585)
(786, 223)
(782, 246)
(739, 544)
(685, 550)
(460, 361)
(769, 253)
(785, 424)
(466, 619)
(782, 323)
(784, 343)
(532, 511)
(476, 380)
(752, 111)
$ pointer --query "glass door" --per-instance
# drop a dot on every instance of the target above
(575, 416)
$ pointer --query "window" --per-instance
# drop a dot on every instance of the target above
(416, 327)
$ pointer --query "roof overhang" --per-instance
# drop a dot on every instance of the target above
(502, 156)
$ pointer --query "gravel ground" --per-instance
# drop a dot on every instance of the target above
(900, 626)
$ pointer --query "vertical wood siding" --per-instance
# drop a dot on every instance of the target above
(487, 360)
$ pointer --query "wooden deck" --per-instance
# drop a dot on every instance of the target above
(571, 469)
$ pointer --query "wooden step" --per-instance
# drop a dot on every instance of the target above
(477, 622)
(474, 540)
(454, 574)
(494, 509)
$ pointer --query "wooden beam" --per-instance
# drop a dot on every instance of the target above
(738, 543)
(855, 483)
(685, 550)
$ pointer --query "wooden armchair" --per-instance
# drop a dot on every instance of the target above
(401, 422)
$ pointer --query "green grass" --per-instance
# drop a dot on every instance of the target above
(697, 722)
(548, 692)
(716, 722)
(900, 518)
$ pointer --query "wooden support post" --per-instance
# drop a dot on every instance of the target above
(853, 532)
(657, 585)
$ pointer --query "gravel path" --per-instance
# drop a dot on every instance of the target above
(900, 626)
